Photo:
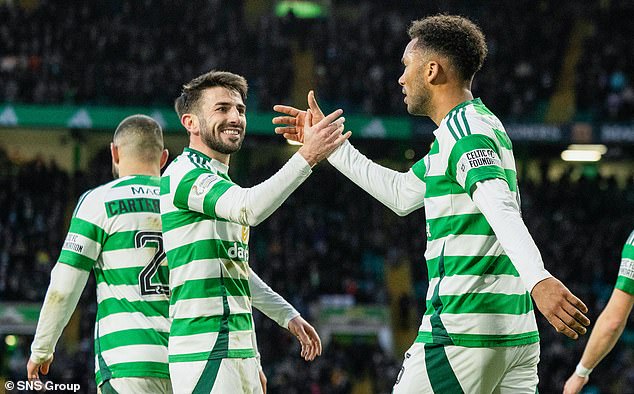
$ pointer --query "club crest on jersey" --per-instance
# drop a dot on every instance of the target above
(204, 183)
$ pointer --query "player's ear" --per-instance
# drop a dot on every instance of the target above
(432, 71)
(164, 156)
(191, 123)
(114, 152)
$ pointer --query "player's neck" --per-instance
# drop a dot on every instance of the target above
(445, 102)
(126, 169)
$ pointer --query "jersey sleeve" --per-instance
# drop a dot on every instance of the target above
(199, 191)
(625, 280)
(472, 159)
(86, 234)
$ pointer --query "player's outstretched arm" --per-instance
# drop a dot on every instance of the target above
(561, 308)
(62, 296)
(250, 206)
(401, 192)
(605, 334)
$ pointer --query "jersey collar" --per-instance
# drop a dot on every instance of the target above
(217, 165)
(453, 112)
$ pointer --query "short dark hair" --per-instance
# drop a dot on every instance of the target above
(141, 135)
(453, 36)
(187, 102)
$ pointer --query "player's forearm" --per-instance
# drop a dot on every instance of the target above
(267, 301)
(401, 192)
(608, 328)
(602, 340)
(494, 199)
(62, 296)
(250, 206)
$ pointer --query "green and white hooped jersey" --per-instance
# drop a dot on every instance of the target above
(116, 231)
(475, 296)
(210, 301)
(625, 280)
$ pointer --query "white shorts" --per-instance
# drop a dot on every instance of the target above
(430, 368)
(137, 386)
(220, 376)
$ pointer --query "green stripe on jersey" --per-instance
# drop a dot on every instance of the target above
(76, 260)
(132, 337)
(419, 169)
(472, 265)
(126, 276)
(203, 356)
(510, 304)
(438, 186)
(204, 249)
(205, 324)
(210, 287)
(137, 369)
(470, 224)
(139, 180)
(87, 229)
(479, 340)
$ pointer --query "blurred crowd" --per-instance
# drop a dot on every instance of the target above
(127, 52)
(605, 77)
(330, 237)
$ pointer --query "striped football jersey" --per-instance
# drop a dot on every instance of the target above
(475, 296)
(115, 230)
(210, 301)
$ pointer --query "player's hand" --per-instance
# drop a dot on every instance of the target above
(33, 369)
(575, 383)
(323, 137)
(561, 308)
(307, 337)
(263, 381)
(295, 119)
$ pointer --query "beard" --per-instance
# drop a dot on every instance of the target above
(420, 105)
(215, 143)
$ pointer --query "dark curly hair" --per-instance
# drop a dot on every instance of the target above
(453, 36)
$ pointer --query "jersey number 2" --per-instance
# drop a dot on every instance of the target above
(141, 239)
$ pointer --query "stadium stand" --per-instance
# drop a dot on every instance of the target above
(98, 53)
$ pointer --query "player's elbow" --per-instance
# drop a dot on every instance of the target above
(400, 212)
(614, 325)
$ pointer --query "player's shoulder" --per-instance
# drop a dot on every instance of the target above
(91, 201)
(630, 239)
